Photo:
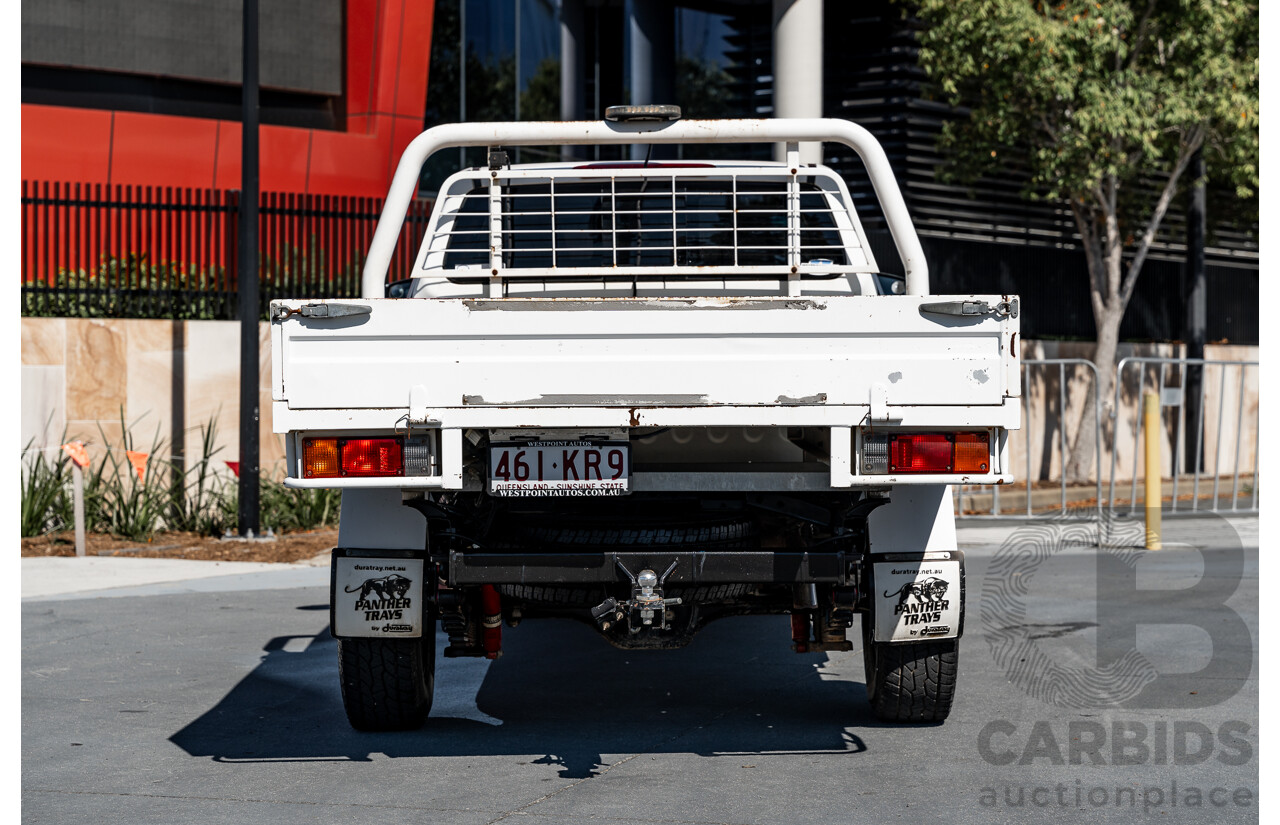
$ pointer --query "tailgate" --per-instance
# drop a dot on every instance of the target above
(447, 360)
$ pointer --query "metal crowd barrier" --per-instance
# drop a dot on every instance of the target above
(1026, 508)
(1170, 381)
(1206, 448)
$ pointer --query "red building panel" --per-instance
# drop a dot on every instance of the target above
(402, 131)
(362, 45)
(345, 164)
(415, 41)
(227, 161)
(386, 61)
(159, 150)
(388, 54)
(284, 156)
(65, 144)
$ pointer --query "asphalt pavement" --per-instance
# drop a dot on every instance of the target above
(207, 692)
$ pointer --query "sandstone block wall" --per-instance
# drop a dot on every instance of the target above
(168, 378)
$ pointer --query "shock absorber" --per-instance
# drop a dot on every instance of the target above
(491, 612)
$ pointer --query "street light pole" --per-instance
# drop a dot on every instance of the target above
(248, 515)
(1197, 316)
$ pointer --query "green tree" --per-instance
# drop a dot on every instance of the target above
(1101, 105)
(704, 90)
(540, 99)
(490, 90)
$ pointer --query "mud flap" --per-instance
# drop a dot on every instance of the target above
(376, 596)
(916, 597)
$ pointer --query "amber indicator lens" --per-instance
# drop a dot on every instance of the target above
(920, 453)
(973, 452)
(372, 457)
(320, 458)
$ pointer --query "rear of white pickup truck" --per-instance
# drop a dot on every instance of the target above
(646, 396)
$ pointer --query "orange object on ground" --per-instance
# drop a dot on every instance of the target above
(139, 462)
(77, 453)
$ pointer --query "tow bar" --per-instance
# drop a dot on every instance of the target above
(646, 603)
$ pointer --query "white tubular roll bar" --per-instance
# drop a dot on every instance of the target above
(549, 133)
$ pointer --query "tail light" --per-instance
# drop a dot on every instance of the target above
(972, 453)
(320, 458)
(372, 457)
(934, 453)
(352, 457)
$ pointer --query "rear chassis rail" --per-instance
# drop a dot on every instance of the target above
(691, 567)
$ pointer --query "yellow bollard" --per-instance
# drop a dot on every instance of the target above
(1151, 434)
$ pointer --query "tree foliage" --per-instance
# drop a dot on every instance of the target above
(490, 89)
(703, 88)
(1101, 104)
(1085, 92)
(540, 99)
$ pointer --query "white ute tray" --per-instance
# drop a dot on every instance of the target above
(463, 362)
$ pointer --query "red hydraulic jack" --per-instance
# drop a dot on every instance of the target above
(491, 607)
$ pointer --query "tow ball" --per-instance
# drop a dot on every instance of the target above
(647, 606)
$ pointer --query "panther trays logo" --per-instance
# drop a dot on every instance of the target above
(930, 601)
(391, 602)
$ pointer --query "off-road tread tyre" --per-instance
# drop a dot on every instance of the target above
(387, 684)
(912, 681)
(562, 596)
(708, 592)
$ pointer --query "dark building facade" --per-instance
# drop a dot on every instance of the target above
(146, 92)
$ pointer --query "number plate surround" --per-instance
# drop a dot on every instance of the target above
(594, 468)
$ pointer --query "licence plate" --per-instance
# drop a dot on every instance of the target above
(559, 468)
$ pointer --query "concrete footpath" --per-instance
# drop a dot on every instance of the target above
(57, 578)
(46, 578)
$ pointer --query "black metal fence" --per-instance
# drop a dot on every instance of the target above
(93, 250)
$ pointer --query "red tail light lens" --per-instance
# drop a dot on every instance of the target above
(920, 453)
(945, 453)
(372, 457)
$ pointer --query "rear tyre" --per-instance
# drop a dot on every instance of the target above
(909, 681)
(388, 684)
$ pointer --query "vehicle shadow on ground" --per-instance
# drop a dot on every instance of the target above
(561, 691)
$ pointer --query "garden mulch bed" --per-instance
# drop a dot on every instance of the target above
(289, 547)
